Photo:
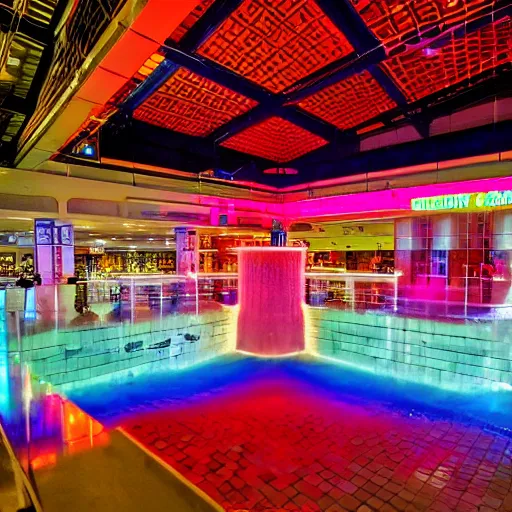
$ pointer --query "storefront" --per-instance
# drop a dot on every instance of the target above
(96, 262)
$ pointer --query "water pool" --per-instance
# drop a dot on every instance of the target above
(303, 434)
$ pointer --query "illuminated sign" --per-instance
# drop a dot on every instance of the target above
(463, 201)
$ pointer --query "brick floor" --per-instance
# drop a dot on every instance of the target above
(278, 446)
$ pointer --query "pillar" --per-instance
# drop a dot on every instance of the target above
(54, 250)
(187, 251)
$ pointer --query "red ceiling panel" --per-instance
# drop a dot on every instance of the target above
(396, 21)
(419, 74)
(350, 102)
(190, 20)
(275, 139)
(191, 104)
(275, 44)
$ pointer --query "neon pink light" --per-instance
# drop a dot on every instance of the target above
(270, 249)
(398, 200)
(271, 284)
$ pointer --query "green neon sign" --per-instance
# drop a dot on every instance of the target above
(493, 199)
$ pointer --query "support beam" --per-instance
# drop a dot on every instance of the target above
(23, 25)
(240, 123)
(207, 24)
(274, 107)
(419, 121)
(347, 19)
(368, 54)
(217, 73)
(312, 124)
(335, 72)
(152, 83)
(460, 144)
(194, 37)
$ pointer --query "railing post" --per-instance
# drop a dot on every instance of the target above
(132, 301)
(395, 301)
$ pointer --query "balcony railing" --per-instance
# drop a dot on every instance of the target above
(129, 298)
(356, 291)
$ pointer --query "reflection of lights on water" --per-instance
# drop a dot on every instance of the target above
(43, 461)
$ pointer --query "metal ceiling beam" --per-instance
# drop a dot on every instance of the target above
(32, 29)
(290, 113)
(312, 124)
(269, 104)
(347, 19)
(181, 54)
(476, 141)
(148, 140)
(206, 25)
(333, 73)
(500, 85)
(419, 121)
(223, 76)
(368, 54)
(152, 83)
(240, 123)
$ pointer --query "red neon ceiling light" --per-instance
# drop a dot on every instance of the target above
(419, 75)
(190, 20)
(275, 44)
(191, 104)
(275, 139)
(395, 22)
(350, 102)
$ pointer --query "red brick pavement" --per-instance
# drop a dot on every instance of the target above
(279, 446)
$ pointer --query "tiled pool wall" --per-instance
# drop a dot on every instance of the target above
(449, 355)
(177, 341)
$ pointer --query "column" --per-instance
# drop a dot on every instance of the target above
(187, 255)
(54, 253)
(54, 250)
(187, 265)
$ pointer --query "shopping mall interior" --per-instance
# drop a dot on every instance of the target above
(256, 255)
